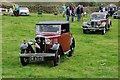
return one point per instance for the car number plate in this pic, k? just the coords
(37, 59)
(41, 58)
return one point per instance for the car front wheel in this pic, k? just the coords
(114, 17)
(57, 58)
(24, 60)
(85, 31)
(71, 52)
(103, 31)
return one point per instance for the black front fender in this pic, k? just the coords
(27, 47)
(23, 46)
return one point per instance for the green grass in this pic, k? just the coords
(95, 56)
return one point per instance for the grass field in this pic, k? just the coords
(95, 56)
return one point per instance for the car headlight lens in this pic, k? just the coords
(47, 41)
(99, 23)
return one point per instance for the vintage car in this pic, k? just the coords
(99, 21)
(116, 15)
(53, 39)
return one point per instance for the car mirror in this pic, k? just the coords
(64, 30)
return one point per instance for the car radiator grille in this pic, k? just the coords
(93, 24)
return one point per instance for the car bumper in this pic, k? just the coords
(38, 55)
(93, 29)
(23, 13)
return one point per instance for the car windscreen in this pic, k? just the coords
(55, 29)
(23, 8)
(98, 16)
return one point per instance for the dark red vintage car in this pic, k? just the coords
(53, 39)
(99, 21)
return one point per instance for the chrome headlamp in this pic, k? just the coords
(47, 41)
(99, 22)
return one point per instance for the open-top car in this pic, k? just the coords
(99, 21)
(53, 39)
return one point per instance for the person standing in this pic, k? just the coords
(17, 9)
(14, 10)
(63, 10)
(73, 13)
(68, 13)
(81, 12)
(101, 8)
(70, 6)
(78, 11)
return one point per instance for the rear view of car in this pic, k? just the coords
(24, 11)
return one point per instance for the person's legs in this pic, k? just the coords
(72, 18)
(68, 17)
(78, 17)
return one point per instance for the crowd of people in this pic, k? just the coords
(14, 10)
(109, 9)
(73, 11)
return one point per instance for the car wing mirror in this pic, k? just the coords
(64, 30)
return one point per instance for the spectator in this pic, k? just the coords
(73, 13)
(14, 10)
(63, 10)
(78, 11)
(101, 8)
(110, 11)
(70, 8)
(68, 13)
(17, 9)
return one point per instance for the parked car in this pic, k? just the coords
(99, 21)
(53, 39)
(24, 11)
(116, 15)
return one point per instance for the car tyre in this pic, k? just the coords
(24, 60)
(114, 17)
(57, 58)
(103, 31)
(71, 52)
(85, 31)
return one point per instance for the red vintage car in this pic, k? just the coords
(53, 39)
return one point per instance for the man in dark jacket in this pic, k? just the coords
(78, 11)
(73, 13)
(68, 13)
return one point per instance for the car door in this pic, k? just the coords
(65, 41)
(65, 37)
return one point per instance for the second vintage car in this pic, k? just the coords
(99, 21)
(116, 15)
(53, 39)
